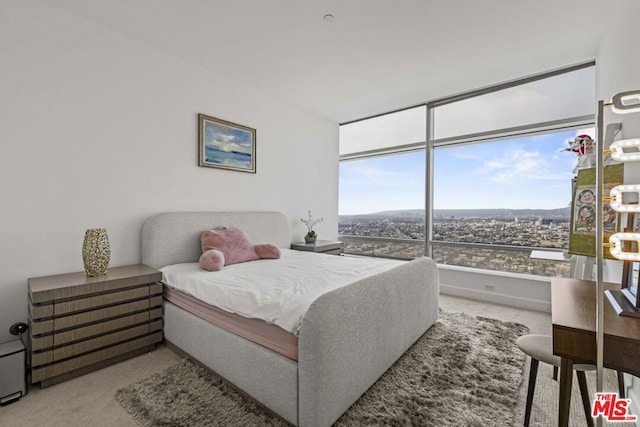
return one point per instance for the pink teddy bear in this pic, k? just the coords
(225, 246)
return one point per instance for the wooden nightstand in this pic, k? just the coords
(321, 246)
(78, 324)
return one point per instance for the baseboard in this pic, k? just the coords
(496, 297)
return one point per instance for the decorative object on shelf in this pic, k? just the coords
(311, 235)
(582, 145)
(96, 252)
(226, 145)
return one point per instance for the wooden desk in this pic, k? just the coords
(573, 315)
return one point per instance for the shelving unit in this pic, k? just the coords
(78, 324)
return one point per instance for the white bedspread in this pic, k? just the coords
(276, 291)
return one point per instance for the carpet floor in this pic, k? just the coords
(464, 371)
(89, 400)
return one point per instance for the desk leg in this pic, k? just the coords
(566, 377)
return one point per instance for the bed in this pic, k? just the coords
(345, 340)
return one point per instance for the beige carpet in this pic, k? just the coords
(465, 370)
(90, 400)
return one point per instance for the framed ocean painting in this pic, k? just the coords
(226, 145)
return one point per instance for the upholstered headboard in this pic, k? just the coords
(174, 237)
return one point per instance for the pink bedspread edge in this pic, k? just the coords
(256, 330)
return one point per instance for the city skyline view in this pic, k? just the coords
(506, 238)
(532, 172)
(500, 203)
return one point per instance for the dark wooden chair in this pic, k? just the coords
(540, 349)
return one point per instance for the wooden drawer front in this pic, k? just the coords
(76, 320)
(62, 308)
(81, 347)
(579, 346)
(39, 374)
(60, 338)
(155, 313)
(43, 311)
(155, 288)
(39, 343)
(135, 281)
(40, 311)
(46, 326)
(65, 286)
(40, 327)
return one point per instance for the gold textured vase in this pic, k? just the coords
(96, 252)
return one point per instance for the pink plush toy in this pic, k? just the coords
(225, 246)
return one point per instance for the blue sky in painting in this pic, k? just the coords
(226, 138)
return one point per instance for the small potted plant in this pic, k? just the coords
(311, 235)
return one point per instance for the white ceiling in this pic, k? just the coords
(375, 56)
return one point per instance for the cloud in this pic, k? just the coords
(227, 142)
(517, 166)
(225, 138)
(368, 172)
(375, 175)
(228, 146)
(468, 153)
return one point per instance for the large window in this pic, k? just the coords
(498, 177)
(395, 131)
(514, 174)
(556, 98)
(505, 205)
(383, 183)
(382, 205)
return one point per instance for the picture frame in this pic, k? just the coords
(226, 145)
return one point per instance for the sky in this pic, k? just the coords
(531, 172)
(524, 173)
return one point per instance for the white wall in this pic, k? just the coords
(618, 69)
(513, 289)
(98, 130)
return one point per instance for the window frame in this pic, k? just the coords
(431, 143)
